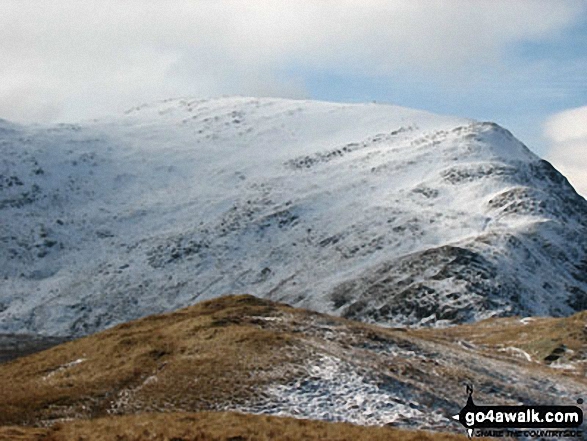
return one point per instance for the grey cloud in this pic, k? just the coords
(86, 58)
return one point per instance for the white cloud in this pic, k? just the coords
(567, 132)
(80, 58)
(570, 125)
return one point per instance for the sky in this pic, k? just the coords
(522, 63)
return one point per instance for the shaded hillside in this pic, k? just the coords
(18, 345)
(252, 355)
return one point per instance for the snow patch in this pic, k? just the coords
(517, 352)
(64, 367)
(335, 390)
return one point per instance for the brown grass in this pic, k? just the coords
(201, 355)
(214, 426)
(222, 353)
(539, 337)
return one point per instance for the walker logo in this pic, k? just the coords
(478, 419)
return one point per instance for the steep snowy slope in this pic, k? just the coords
(373, 212)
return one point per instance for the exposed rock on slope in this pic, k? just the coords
(246, 354)
(373, 212)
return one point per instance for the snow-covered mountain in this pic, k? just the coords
(368, 211)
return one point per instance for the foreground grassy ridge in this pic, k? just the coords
(200, 355)
(213, 426)
(224, 353)
(562, 340)
(212, 356)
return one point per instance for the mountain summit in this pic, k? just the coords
(372, 212)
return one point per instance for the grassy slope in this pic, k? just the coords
(211, 346)
(222, 352)
(539, 337)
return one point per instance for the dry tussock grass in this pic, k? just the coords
(214, 426)
(137, 379)
(539, 337)
(203, 357)
(199, 355)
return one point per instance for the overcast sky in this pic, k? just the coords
(521, 63)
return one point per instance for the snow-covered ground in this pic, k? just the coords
(375, 212)
(374, 379)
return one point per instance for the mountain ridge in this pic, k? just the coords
(322, 205)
